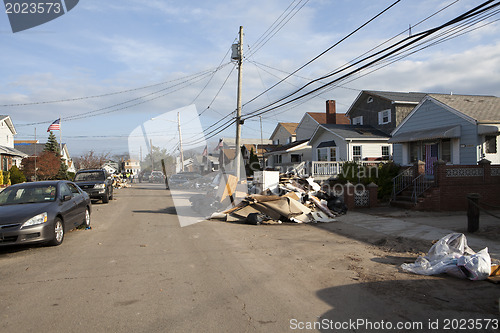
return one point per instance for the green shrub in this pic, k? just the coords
(382, 175)
(16, 176)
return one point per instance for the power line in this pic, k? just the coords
(258, 45)
(102, 111)
(326, 51)
(396, 47)
(110, 94)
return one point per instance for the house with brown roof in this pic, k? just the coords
(311, 120)
(458, 129)
(284, 133)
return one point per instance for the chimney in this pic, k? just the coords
(331, 116)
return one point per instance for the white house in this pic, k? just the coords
(8, 155)
(290, 157)
(333, 144)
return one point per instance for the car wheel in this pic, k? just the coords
(86, 220)
(58, 232)
(105, 198)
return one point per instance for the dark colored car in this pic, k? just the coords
(182, 179)
(96, 183)
(41, 212)
(157, 177)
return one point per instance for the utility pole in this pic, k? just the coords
(261, 145)
(238, 107)
(180, 141)
(152, 160)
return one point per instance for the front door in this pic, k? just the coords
(431, 156)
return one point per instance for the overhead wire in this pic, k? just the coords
(277, 28)
(109, 94)
(396, 47)
(325, 51)
(102, 111)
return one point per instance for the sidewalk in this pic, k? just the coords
(427, 226)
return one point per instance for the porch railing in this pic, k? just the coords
(333, 169)
(420, 185)
(300, 168)
(402, 182)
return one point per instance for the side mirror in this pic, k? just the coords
(67, 198)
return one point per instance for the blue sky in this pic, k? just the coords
(103, 47)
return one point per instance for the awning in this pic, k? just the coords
(327, 144)
(428, 134)
(11, 151)
(488, 129)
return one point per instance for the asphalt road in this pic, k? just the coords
(137, 270)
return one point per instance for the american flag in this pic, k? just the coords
(431, 156)
(55, 126)
(220, 145)
(205, 151)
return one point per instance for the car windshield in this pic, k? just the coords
(27, 194)
(89, 176)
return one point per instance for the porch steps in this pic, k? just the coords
(404, 199)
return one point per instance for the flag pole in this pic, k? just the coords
(35, 153)
(60, 136)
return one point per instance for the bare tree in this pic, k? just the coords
(91, 160)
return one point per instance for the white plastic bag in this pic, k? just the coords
(452, 255)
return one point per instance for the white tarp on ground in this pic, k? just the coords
(452, 255)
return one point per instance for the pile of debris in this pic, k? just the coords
(119, 182)
(294, 199)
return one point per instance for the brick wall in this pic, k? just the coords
(454, 182)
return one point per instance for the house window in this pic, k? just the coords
(413, 152)
(357, 120)
(333, 154)
(491, 144)
(384, 117)
(446, 150)
(289, 140)
(276, 142)
(356, 153)
(4, 164)
(277, 159)
(296, 158)
(322, 154)
(369, 99)
(385, 152)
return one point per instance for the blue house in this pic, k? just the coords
(458, 129)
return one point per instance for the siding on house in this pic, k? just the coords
(6, 136)
(369, 148)
(397, 151)
(282, 135)
(306, 128)
(369, 103)
(431, 115)
(328, 136)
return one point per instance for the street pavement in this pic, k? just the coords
(138, 270)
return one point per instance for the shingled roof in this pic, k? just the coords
(480, 108)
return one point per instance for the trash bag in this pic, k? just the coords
(452, 255)
(255, 218)
(337, 205)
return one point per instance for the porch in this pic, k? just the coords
(324, 170)
(448, 189)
